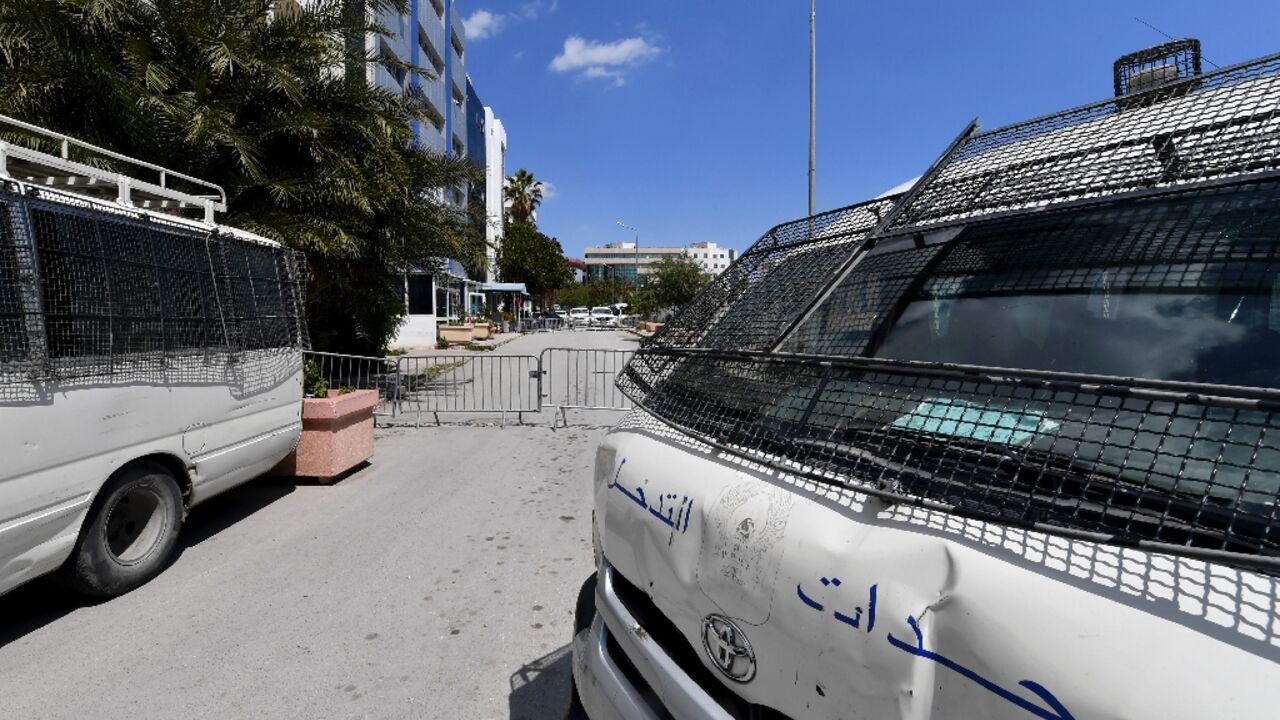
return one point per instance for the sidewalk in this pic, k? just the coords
(493, 342)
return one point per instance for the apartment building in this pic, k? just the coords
(623, 260)
(431, 36)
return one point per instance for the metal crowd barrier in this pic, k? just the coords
(471, 382)
(533, 325)
(357, 372)
(479, 382)
(577, 378)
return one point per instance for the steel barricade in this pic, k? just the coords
(583, 379)
(469, 383)
(535, 325)
(357, 372)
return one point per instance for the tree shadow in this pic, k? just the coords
(540, 689)
(45, 600)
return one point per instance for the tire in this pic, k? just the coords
(584, 613)
(130, 532)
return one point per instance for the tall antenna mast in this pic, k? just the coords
(813, 95)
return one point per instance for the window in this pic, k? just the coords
(1179, 289)
(433, 57)
(390, 62)
(13, 303)
(421, 292)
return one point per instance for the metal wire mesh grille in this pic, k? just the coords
(751, 302)
(888, 385)
(1212, 126)
(1156, 66)
(17, 306)
(1182, 471)
(98, 292)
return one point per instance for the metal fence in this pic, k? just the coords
(357, 373)
(476, 382)
(575, 378)
(468, 383)
(533, 325)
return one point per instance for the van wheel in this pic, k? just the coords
(130, 532)
(584, 613)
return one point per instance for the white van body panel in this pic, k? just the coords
(828, 583)
(67, 440)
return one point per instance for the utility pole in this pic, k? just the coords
(813, 96)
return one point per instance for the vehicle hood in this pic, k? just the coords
(858, 609)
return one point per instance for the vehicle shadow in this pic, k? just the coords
(222, 511)
(45, 600)
(540, 689)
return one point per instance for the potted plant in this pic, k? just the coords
(456, 331)
(337, 430)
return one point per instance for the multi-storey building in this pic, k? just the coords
(624, 260)
(431, 36)
(495, 175)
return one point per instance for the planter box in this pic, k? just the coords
(456, 333)
(337, 435)
(480, 332)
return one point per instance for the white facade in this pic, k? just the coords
(495, 174)
(623, 260)
(713, 258)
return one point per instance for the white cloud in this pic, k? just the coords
(483, 24)
(549, 191)
(603, 59)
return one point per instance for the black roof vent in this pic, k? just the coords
(1156, 66)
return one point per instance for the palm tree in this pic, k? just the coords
(524, 193)
(232, 92)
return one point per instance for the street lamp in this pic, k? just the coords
(625, 226)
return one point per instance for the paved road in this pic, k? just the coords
(438, 582)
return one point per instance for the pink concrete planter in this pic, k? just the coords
(480, 332)
(456, 333)
(337, 435)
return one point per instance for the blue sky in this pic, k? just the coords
(689, 119)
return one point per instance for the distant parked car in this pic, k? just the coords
(580, 316)
(603, 317)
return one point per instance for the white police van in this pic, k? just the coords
(1006, 445)
(149, 360)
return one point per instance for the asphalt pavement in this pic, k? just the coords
(437, 582)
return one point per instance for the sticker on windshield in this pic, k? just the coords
(959, 418)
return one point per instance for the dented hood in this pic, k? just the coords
(859, 609)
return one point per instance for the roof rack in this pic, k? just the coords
(85, 169)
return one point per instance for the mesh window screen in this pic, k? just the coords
(93, 291)
(18, 308)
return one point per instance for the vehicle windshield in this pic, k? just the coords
(601, 311)
(1184, 289)
(1181, 290)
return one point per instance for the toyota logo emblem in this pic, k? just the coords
(729, 649)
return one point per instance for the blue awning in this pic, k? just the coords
(505, 288)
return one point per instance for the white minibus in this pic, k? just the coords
(147, 362)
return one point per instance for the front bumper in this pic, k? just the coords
(623, 673)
